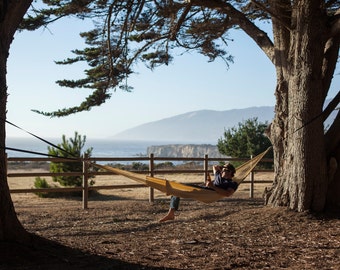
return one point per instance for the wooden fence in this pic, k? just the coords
(202, 166)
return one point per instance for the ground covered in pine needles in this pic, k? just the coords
(124, 233)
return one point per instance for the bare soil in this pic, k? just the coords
(120, 230)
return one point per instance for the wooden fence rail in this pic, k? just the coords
(86, 173)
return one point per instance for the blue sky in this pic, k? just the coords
(190, 83)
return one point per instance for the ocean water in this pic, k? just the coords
(101, 147)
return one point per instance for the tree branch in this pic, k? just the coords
(331, 54)
(332, 136)
(331, 106)
(335, 28)
(238, 18)
(180, 22)
(264, 8)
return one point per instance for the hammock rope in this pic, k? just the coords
(182, 190)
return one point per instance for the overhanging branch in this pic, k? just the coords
(335, 30)
(272, 14)
(238, 18)
(180, 22)
(332, 137)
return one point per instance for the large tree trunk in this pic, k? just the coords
(10, 227)
(333, 151)
(297, 133)
(301, 178)
(10, 17)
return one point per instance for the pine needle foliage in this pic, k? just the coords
(73, 149)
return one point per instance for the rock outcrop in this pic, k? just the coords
(184, 150)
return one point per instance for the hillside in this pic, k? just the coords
(204, 126)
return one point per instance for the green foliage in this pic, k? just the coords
(115, 165)
(139, 166)
(42, 183)
(165, 165)
(127, 32)
(245, 140)
(73, 149)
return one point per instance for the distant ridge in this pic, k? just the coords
(203, 126)
(200, 127)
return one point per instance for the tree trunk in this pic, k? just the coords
(297, 134)
(333, 148)
(10, 227)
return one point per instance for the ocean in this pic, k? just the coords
(101, 147)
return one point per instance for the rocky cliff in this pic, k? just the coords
(184, 150)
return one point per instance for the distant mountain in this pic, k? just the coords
(204, 126)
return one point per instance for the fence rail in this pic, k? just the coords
(152, 171)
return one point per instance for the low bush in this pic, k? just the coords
(42, 183)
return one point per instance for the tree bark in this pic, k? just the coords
(297, 134)
(333, 151)
(10, 227)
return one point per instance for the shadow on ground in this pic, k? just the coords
(47, 254)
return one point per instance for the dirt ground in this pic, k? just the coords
(120, 230)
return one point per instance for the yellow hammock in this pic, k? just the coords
(183, 190)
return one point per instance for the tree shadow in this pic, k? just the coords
(104, 197)
(44, 254)
(93, 196)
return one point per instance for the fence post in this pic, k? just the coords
(151, 169)
(251, 190)
(85, 181)
(206, 167)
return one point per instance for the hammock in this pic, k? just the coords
(183, 190)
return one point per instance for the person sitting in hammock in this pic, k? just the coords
(222, 184)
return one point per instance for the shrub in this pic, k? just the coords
(165, 165)
(42, 183)
(73, 149)
(139, 166)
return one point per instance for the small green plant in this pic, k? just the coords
(165, 165)
(73, 149)
(139, 166)
(42, 183)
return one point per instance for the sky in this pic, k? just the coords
(189, 84)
